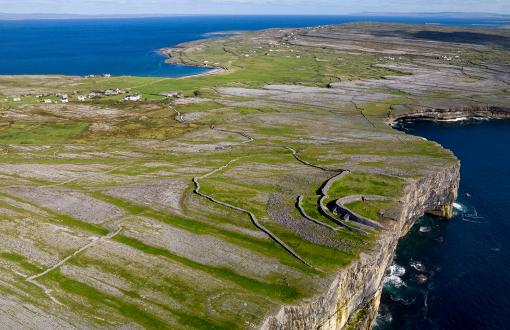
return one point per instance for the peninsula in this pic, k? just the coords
(270, 194)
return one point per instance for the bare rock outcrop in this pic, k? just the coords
(354, 293)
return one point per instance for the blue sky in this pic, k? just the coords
(249, 6)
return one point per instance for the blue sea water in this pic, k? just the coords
(129, 46)
(467, 259)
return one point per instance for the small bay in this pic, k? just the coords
(130, 46)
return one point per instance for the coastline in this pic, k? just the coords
(434, 194)
(168, 52)
(355, 137)
(353, 297)
(212, 71)
(454, 114)
(420, 291)
(170, 59)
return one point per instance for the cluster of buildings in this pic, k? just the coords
(53, 98)
(64, 98)
(98, 94)
(111, 92)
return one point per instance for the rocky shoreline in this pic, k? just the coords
(454, 114)
(353, 297)
(169, 53)
(243, 198)
(354, 293)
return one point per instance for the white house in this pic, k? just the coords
(81, 98)
(16, 99)
(48, 101)
(133, 97)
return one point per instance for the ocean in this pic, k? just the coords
(129, 46)
(465, 260)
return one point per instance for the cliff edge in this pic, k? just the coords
(352, 300)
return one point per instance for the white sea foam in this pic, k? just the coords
(403, 301)
(455, 119)
(384, 317)
(463, 119)
(394, 281)
(418, 266)
(458, 206)
(397, 270)
(472, 216)
(394, 277)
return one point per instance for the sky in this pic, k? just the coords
(330, 7)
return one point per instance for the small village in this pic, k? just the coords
(76, 96)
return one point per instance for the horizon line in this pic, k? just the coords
(113, 15)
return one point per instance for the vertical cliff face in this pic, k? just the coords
(352, 299)
(473, 111)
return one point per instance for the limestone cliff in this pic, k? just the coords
(473, 111)
(353, 296)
